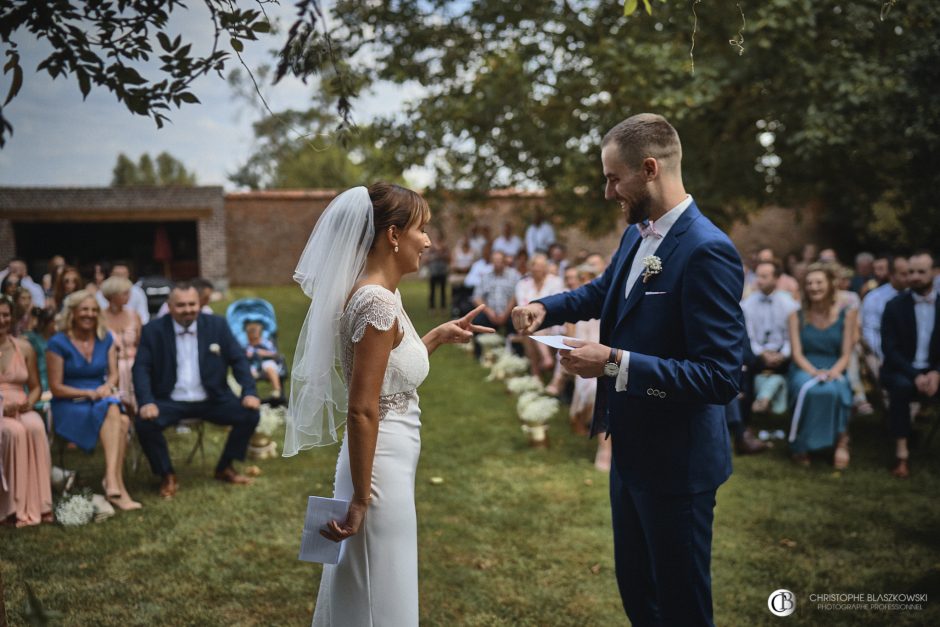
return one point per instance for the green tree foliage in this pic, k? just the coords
(285, 157)
(520, 93)
(167, 171)
(115, 44)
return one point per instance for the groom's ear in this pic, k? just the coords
(650, 168)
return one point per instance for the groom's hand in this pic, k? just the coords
(586, 359)
(528, 319)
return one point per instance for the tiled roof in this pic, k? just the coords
(108, 198)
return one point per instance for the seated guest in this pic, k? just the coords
(262, 356)
(821, 337)
(864, 271)
(68, 282)
(18, 268)
(508, 242)
(873, 307)
(766, 314)
(910, 340)
(38, 337)
(480, 267)
(520, 263)
(25, 464)
(538, 284)
(539, 235)
(785, 282)
(557, 258)
(205, 289)
(53, 270)
(496, 292)
(437, 261)
(83, 376)
(9, 286)
(180, 372)
(125, 325)
(137, 299)
(22, 311)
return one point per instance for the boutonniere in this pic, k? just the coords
(215, 349)
(652, 265)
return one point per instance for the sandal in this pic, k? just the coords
(840, 459)
(118, 500)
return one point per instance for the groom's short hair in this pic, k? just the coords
(646, 135)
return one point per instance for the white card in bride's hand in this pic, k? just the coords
(313, 546)
(555, 341)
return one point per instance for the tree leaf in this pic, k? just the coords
(262, 27)
(15, 84)
(237, 44)
(629, 6)
(84, 83)
(648, 7)
(165, 42)
(189, 97)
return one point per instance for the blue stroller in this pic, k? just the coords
(245, 311)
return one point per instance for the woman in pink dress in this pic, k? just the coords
(125, 325)
(25, 463)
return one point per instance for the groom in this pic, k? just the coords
(672, 337)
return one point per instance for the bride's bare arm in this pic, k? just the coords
(458, 331)
(370, 359)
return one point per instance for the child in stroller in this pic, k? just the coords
(263, 356)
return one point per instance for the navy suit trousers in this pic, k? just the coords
(227, 411)
(662, 554)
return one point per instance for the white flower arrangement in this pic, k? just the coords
(519, 385)
(535, 409)
(507, 365)
(652, 265)
(271, 419)
(490, 340)
(75, 510)
(215, 349)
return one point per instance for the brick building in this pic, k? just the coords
(255, 238)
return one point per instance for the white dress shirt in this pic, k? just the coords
(507, 245)
(188, 380)
(538, 237)
(765, 316)
(477, 270)
(873, 308)
(647, 247)
(925, 312)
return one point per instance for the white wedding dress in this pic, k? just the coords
(376, 579)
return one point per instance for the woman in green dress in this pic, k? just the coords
(821, 337)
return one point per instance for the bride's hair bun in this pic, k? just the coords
(394, 205)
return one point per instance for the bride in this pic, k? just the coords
(362, 245)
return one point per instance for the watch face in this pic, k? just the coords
(611, 369)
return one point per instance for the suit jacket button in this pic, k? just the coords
(662, 394)
(649, 391)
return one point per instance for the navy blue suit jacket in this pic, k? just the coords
(686, 346)
(899, 338)
(155, 364)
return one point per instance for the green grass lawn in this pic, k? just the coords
(513, 536)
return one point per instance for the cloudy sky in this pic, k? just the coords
(61, 140)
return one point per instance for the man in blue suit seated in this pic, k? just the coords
(181, 372)
(910, 341)
(668, 362)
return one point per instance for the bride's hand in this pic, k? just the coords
(337, 532)
(461, 331)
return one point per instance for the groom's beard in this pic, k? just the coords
(638, 208)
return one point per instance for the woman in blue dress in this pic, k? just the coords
(821, 337)
(82, 367)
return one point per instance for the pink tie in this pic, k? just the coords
(647, 229)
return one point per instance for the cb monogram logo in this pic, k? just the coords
(781, 602)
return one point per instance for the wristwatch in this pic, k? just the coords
(612, 368)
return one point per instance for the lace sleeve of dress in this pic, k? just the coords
(376, 307)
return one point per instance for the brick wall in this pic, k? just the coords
(7, 242)
(213, 245)
(267, 231)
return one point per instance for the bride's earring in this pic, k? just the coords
(396, 248)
